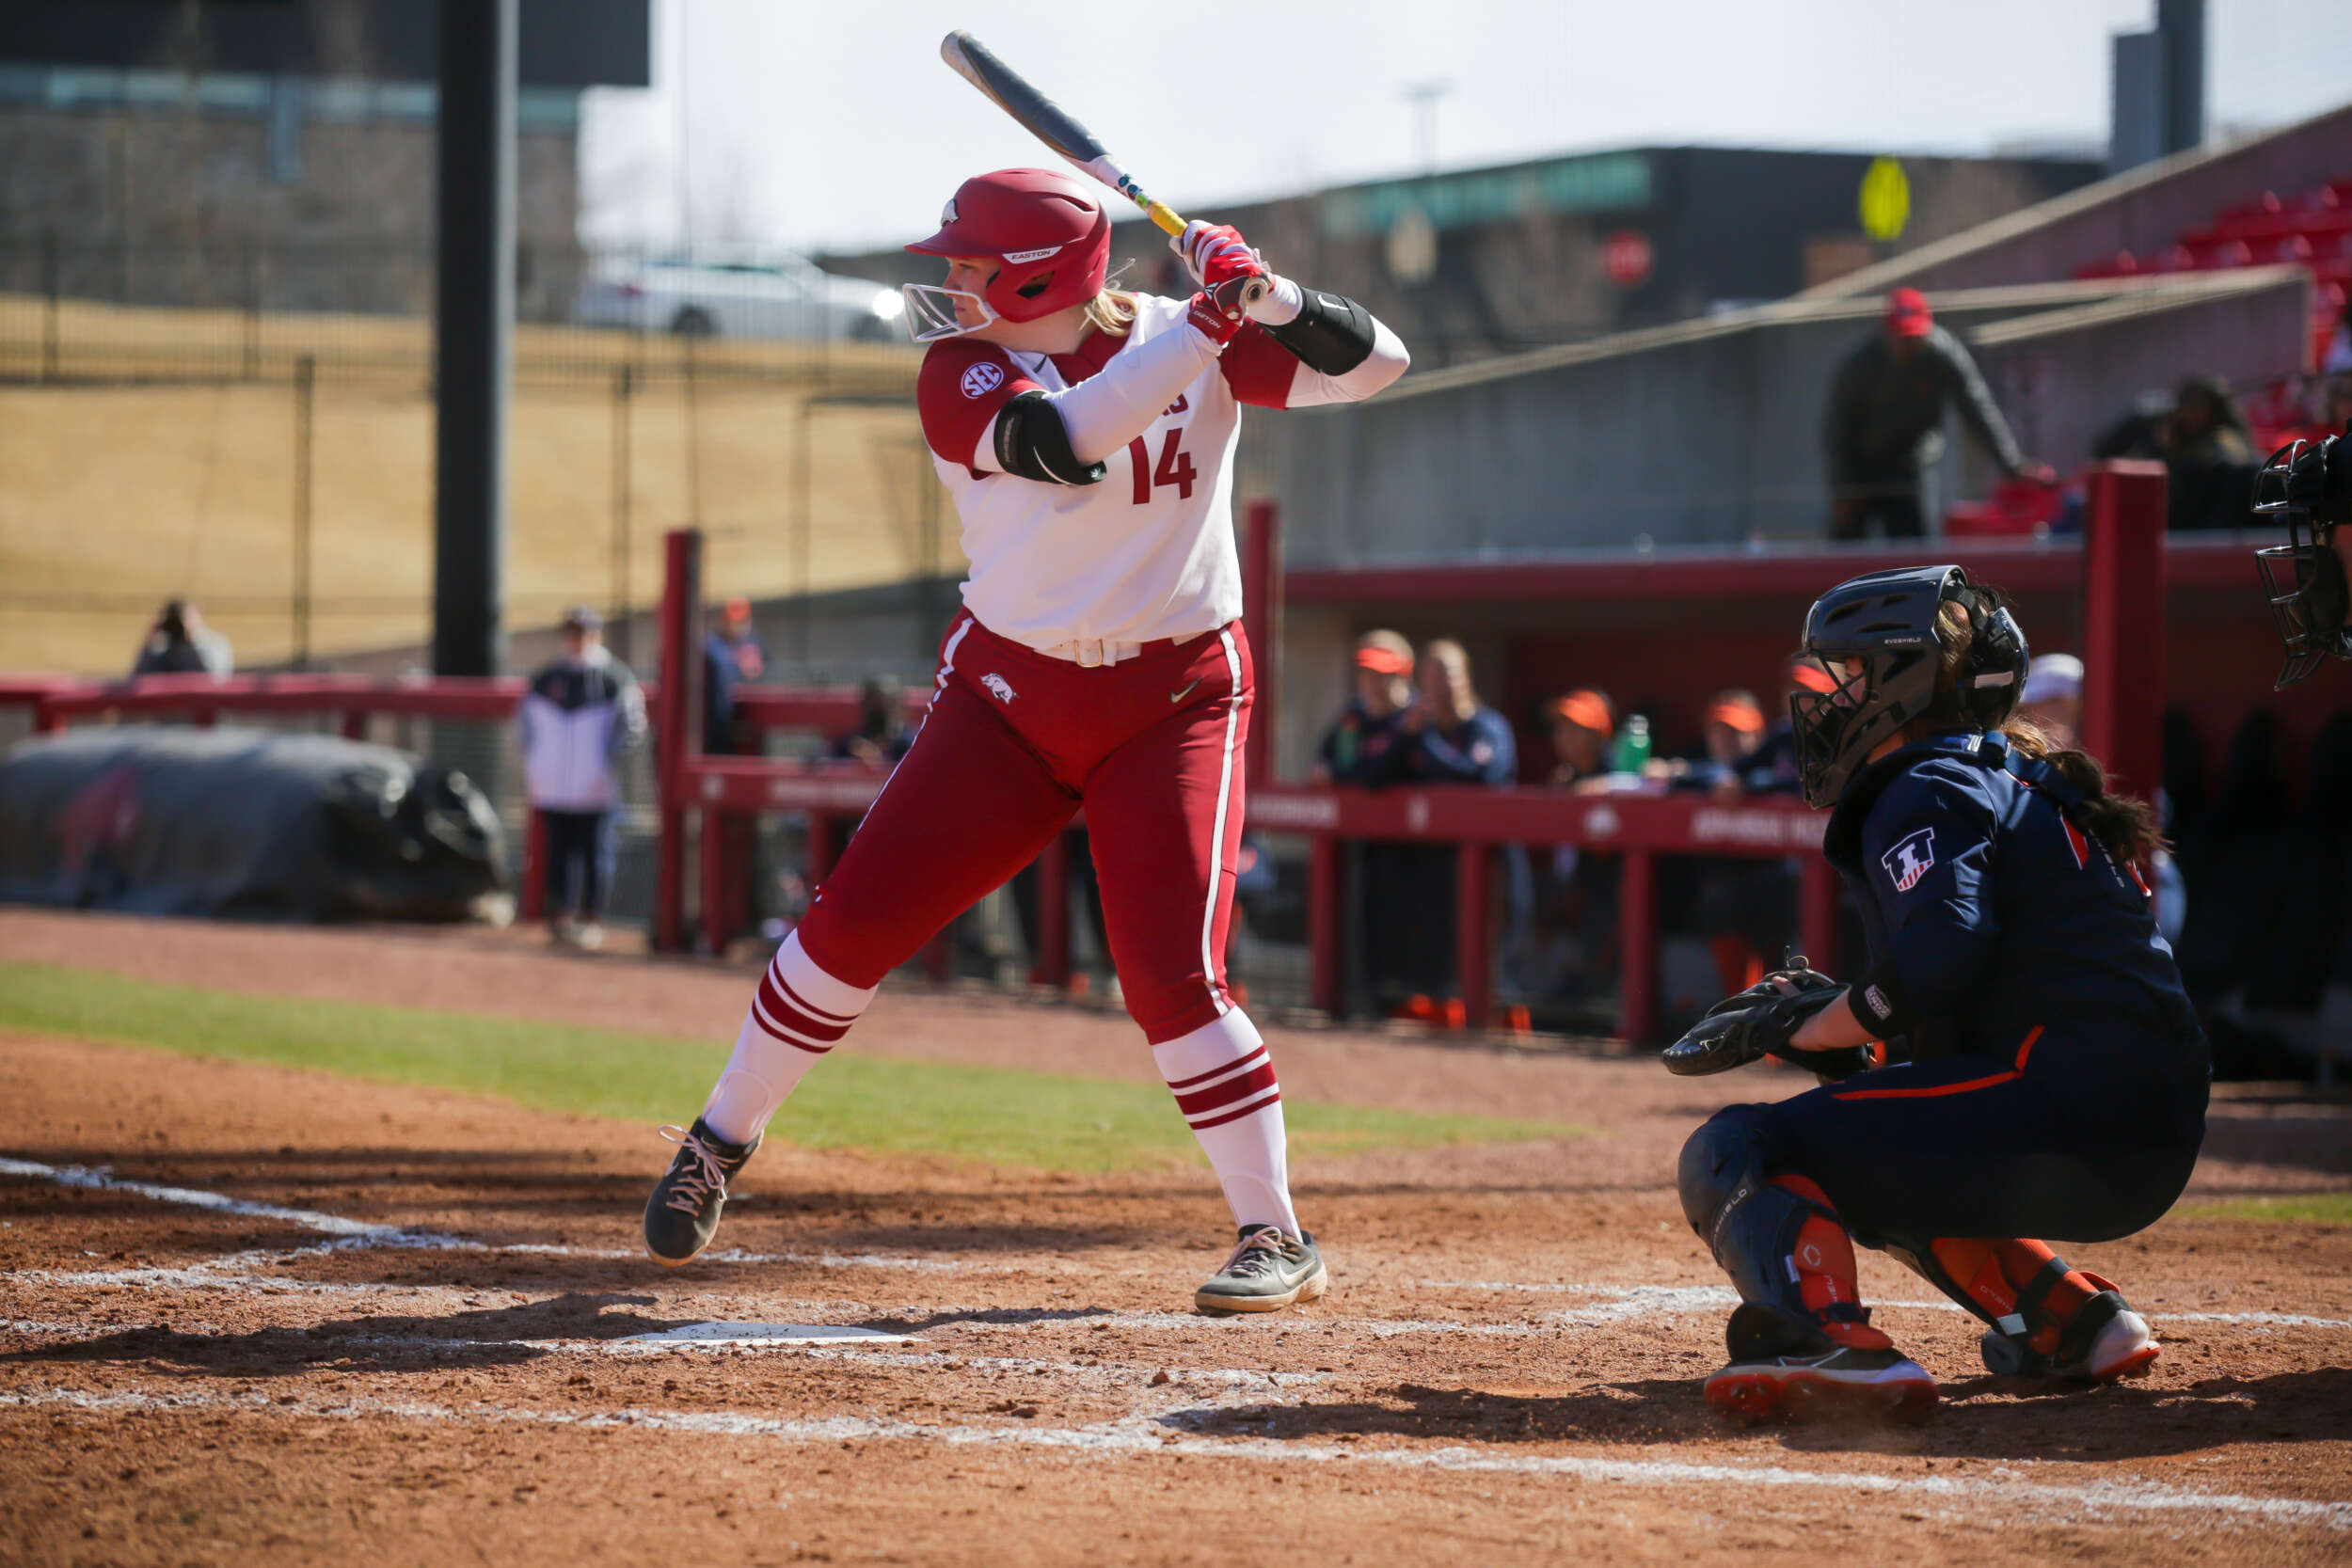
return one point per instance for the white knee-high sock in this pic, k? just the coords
(798, 1015)
(1224, 1083)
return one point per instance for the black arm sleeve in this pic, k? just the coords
(1032, 443)
(1331, 335)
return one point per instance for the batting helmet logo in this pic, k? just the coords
(983, 378)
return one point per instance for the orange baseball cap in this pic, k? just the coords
(1804, 672)
(1586, 707)
(1742, 717)
(1385, 661)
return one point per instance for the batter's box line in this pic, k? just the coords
(1962, 1496)
(1627, 1300)
(366, 1234)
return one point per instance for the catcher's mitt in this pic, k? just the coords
(1757, 1022)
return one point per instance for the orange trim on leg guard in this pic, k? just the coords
(1824, 1256)
(1993, 1272)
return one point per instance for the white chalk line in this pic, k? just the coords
(234, 1271)
(1634, 1300)
(1148, 1435)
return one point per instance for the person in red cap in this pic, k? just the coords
(1884, 428)
(1098, 662)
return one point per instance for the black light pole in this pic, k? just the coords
(473, 330)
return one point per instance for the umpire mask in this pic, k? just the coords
(2304, 580)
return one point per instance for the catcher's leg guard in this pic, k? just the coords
(2046, 1318)
(1777, 1237)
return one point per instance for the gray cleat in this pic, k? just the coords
(1267, 1272)
(682, 1215)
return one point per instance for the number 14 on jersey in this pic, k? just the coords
(1175, 467)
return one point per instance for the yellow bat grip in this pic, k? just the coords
(1163, 214)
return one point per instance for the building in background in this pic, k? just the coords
(275, 155)
(1476, 262)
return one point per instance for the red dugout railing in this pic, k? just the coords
(2123, 570)
(2121, 566)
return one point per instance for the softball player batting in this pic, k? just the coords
(1086, 437)
(2055, 1076)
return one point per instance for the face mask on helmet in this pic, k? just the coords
(931, 313)
(2304, 581)
(1876, 636)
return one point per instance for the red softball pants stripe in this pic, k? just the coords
(1013, 744)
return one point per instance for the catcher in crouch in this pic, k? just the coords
(2050, 1076)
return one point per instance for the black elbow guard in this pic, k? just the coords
(1332, 333)
(1032, 443)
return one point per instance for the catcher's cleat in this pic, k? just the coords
(1267, 1272)
(1838, 1381)
(2103, 1341)
(682, 1215)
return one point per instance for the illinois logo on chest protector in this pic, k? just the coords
(1910, 859)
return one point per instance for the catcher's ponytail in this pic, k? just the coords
(2125, 825)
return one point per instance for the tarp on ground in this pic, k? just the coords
(159, 819)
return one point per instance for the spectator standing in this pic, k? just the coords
(1582, 724)
(2209, 459)
(1366, 746)
(2053, 699)
(732, 653)
(582, 715)
(1733, 733)
(882, 735)
(180, 644)
(1575, 924)
(1884, 432)
(1771, 768)
(1454, 739)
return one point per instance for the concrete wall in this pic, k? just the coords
(1707, 432)
(2141, 211)
(172, 207)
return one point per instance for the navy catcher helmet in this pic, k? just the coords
(1876, 636)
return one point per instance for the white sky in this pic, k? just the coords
(835, 126)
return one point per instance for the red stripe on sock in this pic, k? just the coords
(845, 1020)
(787, 1009)
(1217, 1097)
(774, 1031)
(1206, 1122)
(1180, 1084)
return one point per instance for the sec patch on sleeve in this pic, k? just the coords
(1910, 859)
(983, 378)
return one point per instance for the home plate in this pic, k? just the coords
(764, 1333)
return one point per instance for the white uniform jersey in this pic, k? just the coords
(1146, 551)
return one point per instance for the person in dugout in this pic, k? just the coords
(2045, 1075)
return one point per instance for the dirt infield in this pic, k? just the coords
(256, 1315)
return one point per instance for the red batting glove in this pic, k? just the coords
(1219, 313)
(1216, 253)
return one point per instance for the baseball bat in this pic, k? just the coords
(1049, 123)
(1053, 125)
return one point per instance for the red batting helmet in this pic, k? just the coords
(1048, 228)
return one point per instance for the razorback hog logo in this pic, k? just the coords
(998, 687)
(983, 378)
(1910, 859)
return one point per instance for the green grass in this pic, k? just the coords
(992, 1116)
(2311, 1208)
